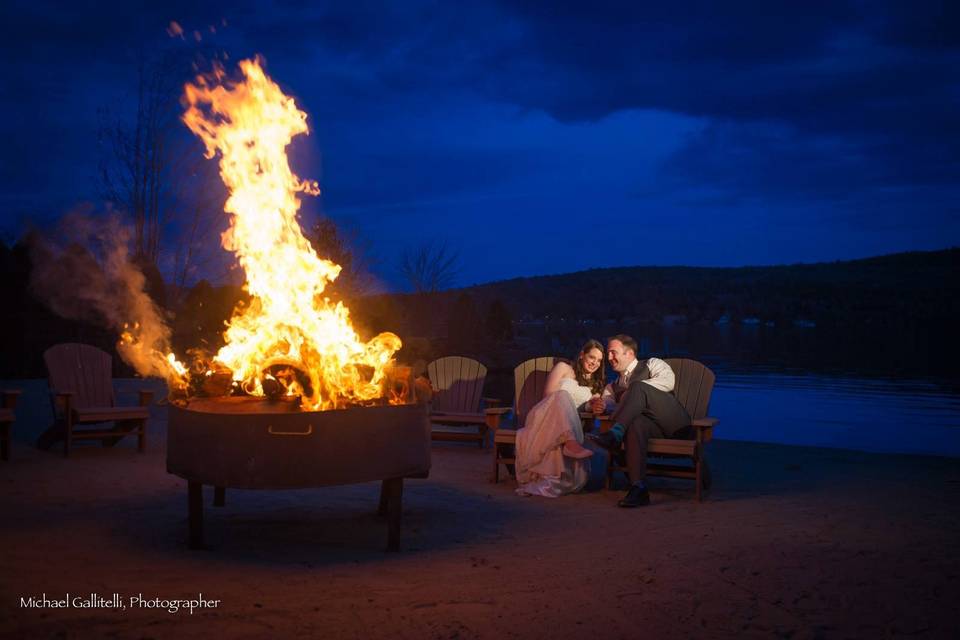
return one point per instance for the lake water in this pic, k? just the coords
(908, 416)
(866, 388)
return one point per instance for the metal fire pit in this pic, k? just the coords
(251, 443)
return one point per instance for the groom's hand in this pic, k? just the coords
(597, 405)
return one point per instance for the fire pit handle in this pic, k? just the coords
(274, 432)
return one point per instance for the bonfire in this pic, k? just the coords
(291, 340)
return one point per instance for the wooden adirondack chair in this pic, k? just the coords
(529, 379)
(458, 386)
(81, 390)
(693, 387)
(7, 417)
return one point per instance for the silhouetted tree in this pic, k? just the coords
(201, 319)
(463, 323)
(155, 173)
(430, 267)
(498, 326)
(331, 244)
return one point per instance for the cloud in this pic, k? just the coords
(839, 106)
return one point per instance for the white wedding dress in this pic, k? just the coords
(542, 469)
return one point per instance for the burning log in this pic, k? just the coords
(272, 389)
(423, 390)
(217, 383)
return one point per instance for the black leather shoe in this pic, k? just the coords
(636, 497)
(605, 439)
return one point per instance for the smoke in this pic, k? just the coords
(82, 270)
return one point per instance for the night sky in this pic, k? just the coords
(540, 138)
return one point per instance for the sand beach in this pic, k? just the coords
(792, 542)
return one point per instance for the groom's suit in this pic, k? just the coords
(645, 405)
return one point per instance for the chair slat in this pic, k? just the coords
(459, 383)
(82, 369)
(476, 389)
(694, 385)
(530, 379)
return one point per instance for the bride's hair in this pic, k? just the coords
(597, 381)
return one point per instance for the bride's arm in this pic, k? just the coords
(560, 371)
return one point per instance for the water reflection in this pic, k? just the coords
(905, 416)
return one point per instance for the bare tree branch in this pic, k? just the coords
(430, 267)
(155, 173)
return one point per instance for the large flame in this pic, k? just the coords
(289, 329)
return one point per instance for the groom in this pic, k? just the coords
(642, 406)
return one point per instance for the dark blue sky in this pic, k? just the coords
(547, 137)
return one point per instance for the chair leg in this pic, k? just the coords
(384, 499)
(195, 514)
(67, 438)
(67, 425)
(496, 463)
(699, 478)
(142, 437)
(5, 441)
(706, 476)
(394, 490)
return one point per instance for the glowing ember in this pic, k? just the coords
(289, 333)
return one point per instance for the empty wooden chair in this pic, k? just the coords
(529, 380)
(455, 406)
(7, 405)
(81, 390)
(693, 388)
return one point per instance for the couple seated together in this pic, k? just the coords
(551, 459)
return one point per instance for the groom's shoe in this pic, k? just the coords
(605, 439)
(636, 497)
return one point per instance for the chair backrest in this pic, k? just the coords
(694, 384)
(82, 369)
(458, 381)
(529, 380)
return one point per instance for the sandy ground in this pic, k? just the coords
(792, 542)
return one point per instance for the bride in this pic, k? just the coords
(551, 460)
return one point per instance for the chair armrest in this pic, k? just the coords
(10, 398)
(62, 400)
(704, 427)
(604, 422)
(495, 416)
(588, 421)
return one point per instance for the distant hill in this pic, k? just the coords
(891, 312)
(891, 289)
(889, 315)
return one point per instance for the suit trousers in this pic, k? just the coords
(647, 412)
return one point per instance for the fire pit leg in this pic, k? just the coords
(219, 496)
(391, 502)
(382, 509)
(195, 500)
